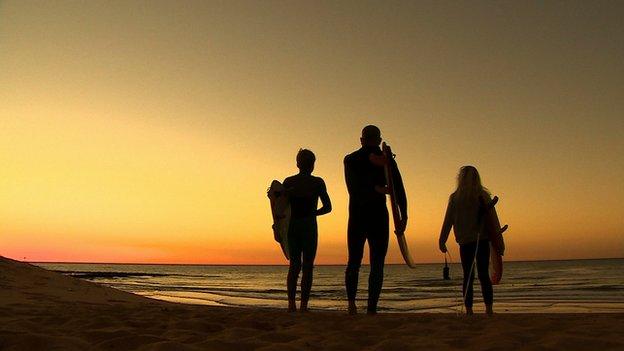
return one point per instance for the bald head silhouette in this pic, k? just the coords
(371, 136)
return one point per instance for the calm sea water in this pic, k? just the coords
(548, 286)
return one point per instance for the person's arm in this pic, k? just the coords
(350, 176)
(325, 201)
(446, 225)
(288, 187)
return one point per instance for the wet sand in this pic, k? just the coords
(44, 310)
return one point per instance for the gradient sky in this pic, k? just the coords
(148, 131)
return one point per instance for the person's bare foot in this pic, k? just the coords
(352, 308)
(292, 306)
(489, 310)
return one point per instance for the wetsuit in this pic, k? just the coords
(304, 191)
(368, 220)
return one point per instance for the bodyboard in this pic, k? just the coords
(280, 210)
(397, 211)
(494, 233)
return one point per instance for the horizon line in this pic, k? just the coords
(286, 264)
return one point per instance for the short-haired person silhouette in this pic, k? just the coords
(304, 191)
(368, 216)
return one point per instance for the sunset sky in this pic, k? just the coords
(149, 131)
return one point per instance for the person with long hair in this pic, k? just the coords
(463, 215)
(304, 191)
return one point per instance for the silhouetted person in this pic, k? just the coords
(368, 217)
(463, 214)
(304, 191)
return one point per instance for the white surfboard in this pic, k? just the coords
(280, 209)
(397, 212)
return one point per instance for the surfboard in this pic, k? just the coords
(280, 210)
(397, 212)
(494, 232)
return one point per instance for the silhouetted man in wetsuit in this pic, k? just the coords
(304, 191)
(368, 216)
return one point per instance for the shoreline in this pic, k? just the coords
(563, 287)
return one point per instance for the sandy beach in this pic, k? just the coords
(44, 310)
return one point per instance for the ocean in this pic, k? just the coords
(543, 286)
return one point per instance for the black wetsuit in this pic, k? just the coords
(304, 191)
(368, 220)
